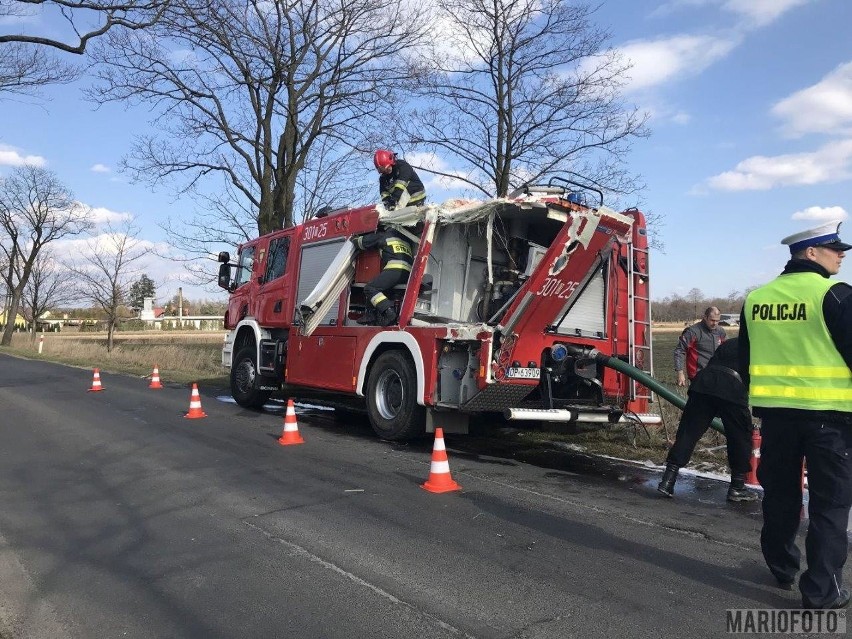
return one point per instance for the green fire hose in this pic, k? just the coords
(643, 378)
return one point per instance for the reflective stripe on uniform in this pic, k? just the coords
(797, 392)
(397, 264)
(838, 372)
(377, 299)
(399, 246)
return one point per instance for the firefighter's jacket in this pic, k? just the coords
(804, 346)
(721, 378)
(401, 179)
(396, 249)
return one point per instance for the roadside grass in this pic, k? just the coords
(185, 357)
(180, 358)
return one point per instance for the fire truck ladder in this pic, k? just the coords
(641, 355)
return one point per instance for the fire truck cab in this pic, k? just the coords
(504, 304)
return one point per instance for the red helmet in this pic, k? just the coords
(383, 159)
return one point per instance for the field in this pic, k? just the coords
(181, 356)
(195, 356)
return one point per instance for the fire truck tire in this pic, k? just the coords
(392, 398)
(244, 379)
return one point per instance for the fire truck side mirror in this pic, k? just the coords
(224, 257)
(225, 276)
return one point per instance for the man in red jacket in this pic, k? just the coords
(697, 345)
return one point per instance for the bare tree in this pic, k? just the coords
(246, 90)
(83, 19)
(8, 264)
(26, 61)
(330, 178)
(527, 89)
(696, 297)
(25, 69)
(51, 285)
(108, 270)
(35, 210)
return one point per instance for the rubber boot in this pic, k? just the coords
(369, 317)
(386, 317)
(738, 490)
(666, 486)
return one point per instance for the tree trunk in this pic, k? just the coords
(110, 331)
(12, 315)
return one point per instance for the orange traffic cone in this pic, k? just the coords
(756, 440)
(96, 382)
(195, 404)
(155, 379)
(440, 480)
(290, 434)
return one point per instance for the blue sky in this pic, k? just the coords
(751, 118)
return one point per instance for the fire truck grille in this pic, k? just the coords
(498, 397)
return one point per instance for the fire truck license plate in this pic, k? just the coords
(525, 373)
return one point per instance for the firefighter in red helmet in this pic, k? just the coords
(399, 184)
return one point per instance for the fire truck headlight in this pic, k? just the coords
(558, 352)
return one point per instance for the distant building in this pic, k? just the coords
(150, 312)
(155, 316)
(20, 322)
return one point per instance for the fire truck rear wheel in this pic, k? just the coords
(244, 379)
(392, 398)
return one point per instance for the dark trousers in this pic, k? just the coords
(699, 411)
(384, 281)
(826, 447)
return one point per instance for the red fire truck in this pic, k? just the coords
(507, 304)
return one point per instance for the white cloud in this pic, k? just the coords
(675, 5)
(102, 242)
(762, 12)
(185, 57)
(821, 213)
(756, 13)
(11, 156)
(825, 107)
(830, 163)
(100, 215)
(657, 61)
(436, 182)
(100, 168)
(681, 117)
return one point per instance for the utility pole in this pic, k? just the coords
(180, 306)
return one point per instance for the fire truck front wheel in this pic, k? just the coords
(392, 398)
(245, 378)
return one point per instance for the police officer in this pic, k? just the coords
(796, 358)
(397, 257)
(399, 184)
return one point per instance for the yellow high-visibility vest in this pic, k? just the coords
(794, 362)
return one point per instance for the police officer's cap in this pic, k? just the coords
(827, 235)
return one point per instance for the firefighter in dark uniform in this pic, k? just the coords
(399, 184)
(796, 358)
(717, 389)
(397, 257)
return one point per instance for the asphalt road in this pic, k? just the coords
(121, 518)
